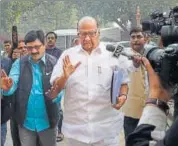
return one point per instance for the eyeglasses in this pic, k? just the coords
(136, 36)
(90, 34)
(37, 47)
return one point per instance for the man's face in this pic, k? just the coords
(22, 47)
(137, 41)
(51, 40)
(16, 53)
(8, 48)
(89, 35)
(36, 49)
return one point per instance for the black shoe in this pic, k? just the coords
(60, 137)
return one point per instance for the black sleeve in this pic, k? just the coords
(171, 138)
(142, 136)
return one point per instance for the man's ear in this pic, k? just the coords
(99, 31)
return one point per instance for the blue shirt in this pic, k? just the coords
(36, 115)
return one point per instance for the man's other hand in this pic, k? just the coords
(53, 92)
(121, 100)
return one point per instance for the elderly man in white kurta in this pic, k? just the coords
(85, 72)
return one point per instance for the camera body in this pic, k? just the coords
(164, 61)
(167, 27)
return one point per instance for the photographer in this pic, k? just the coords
(151, 127)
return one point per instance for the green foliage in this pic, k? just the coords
(13, 10)
(125, 10)
(59, 14)
(49, 16)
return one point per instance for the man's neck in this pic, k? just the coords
(141, 51)
(89, 51)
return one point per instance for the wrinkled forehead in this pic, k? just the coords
(87, 25)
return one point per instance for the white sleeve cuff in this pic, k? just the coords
(153, 115)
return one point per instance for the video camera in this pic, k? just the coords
(164, 61)
(167, 27)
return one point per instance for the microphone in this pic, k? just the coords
(119, 50)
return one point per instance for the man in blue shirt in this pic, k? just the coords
(29, 78)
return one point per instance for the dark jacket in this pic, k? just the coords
(56, 52)
(25, 85)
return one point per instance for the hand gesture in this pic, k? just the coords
(68, 68)
(6, 82)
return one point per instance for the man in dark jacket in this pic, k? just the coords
(51, 49)
(35, 113)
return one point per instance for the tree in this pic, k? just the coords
(49, 16)
(125, 10)
(11, 12)
(55, 14)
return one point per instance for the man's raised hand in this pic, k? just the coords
(68, 68)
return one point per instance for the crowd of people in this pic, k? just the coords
(37, 75)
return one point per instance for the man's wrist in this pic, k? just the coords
(64, 78)
(58, 80)
(125, 95)
(159, 103)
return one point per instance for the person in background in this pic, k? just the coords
(20, 50)
(138, 88)
(7, 48)
(51, 49)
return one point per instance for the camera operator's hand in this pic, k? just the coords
(156, 89)
(137, 60)
(172, 51)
